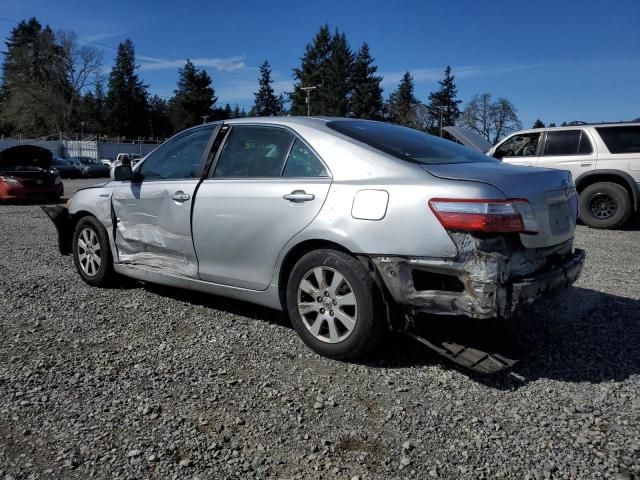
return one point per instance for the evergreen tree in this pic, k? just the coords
(91, 110)
(228, 111)
(443, 104)
(194, 98)
(337, 89)
(236, 111)
(266, 103)
(552, 124)
(538, 124)
(35, 88)
(127, 104)
(160, 118)
(314, 71)
(402, 103)
(366, 98)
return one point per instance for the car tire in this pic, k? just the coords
(93, 261)
(605, 205)
(342, 317)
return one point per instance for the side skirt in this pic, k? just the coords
(267, 298)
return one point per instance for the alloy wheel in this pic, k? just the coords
(327, 304)
(603, 206)
(89, 253)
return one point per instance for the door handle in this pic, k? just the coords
(299, 196)
(180, 196)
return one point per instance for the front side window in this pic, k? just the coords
(521, 145)
(254, 152)
(623, 139)
(406, 143)
(180, 157)
(303, 163)
(567, 142)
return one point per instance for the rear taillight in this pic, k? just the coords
(500, 216)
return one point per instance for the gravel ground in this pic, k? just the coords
(141, 381)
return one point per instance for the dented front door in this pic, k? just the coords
(153, 212)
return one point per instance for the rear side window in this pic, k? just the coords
(567, 142)
(623, 139)
(303, 163)
(254, 152)
(406, 143)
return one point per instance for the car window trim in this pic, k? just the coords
(214, 163)
(205, 153)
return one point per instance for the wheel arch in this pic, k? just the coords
(294, 254)
(614, 176)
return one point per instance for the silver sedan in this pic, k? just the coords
(352, 227)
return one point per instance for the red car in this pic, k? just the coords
(26, 174)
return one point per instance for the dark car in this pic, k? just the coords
(91, 167)
(26, 173)
(67, 168)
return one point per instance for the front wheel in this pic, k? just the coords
(334, 305)
(605, 205)
(91, 252)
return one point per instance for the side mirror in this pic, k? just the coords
(122, 173)
(498, 154)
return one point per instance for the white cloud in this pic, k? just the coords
(421, 75)
(229, 64)
(97, 37)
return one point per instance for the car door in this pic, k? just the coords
(519, 149)
(266, 185)
(568, 150)
(153, 212)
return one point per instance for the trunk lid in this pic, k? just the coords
(550, 192)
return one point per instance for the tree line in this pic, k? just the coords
(51, 82)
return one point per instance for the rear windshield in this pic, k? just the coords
(623, 139)
(406, 143)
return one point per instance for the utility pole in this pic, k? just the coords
(204, 118)
(307, 90)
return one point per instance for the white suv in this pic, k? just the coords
(604, 160)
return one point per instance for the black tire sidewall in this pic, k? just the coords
(369, 324)
(617, 193)
(106, 266)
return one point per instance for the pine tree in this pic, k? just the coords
(35, 88)
(127, 105)
(402, 103)
(266, 103)
(538, 124)
(366, 97)
(314, 71)
(160, 118)
(443, 106)
(236, 111)
(337, 90)
(194, 98)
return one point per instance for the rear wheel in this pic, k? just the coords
(335, 305)
(91, 252)
(605, 205)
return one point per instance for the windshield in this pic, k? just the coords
(406, 143)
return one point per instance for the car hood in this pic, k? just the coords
(469, 138)
(25, 157)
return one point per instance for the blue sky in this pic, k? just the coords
(556, 60)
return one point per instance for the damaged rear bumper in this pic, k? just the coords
(489, 278)
(60, 217)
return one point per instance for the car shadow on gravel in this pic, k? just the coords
(580, 335)
(228, 305)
